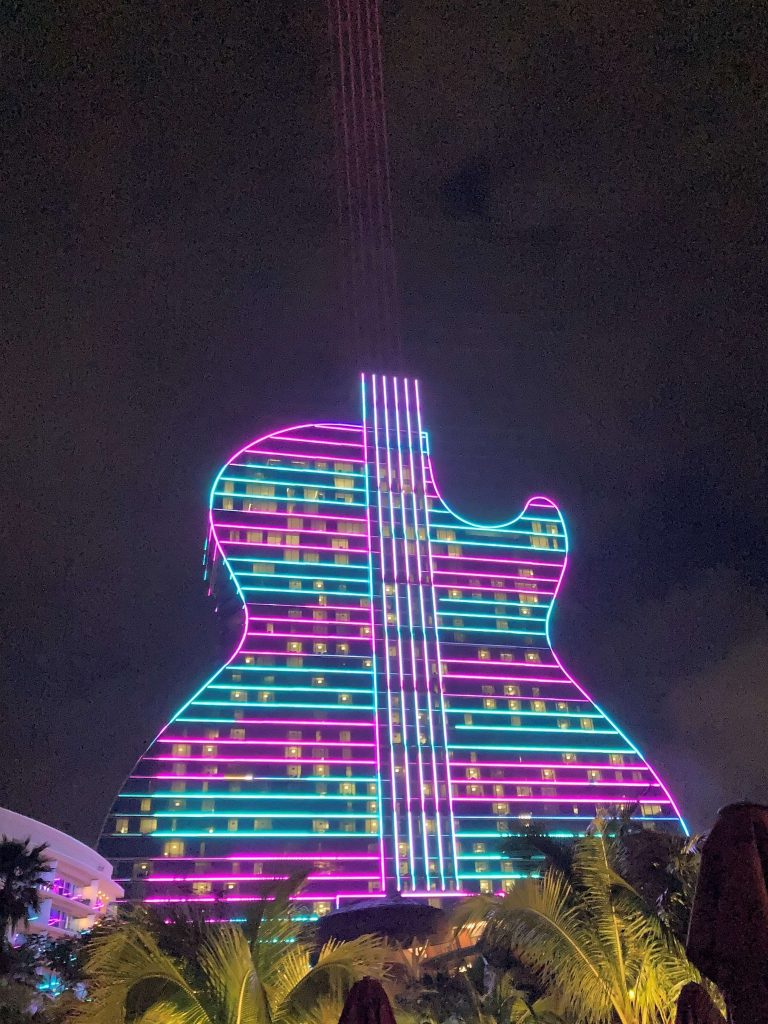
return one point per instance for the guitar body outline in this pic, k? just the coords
(394, 705)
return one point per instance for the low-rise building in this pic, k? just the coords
(79, 889)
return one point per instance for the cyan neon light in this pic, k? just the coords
(469, 619)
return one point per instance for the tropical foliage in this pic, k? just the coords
(590, 937)
(260, 972)
(22, 871)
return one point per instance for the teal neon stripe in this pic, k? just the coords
(530, 548)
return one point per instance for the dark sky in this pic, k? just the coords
(579, 201)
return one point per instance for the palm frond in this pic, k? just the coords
(339, 965)
(128, 964)
(232, 980)
(540, 924)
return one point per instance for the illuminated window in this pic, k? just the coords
(345, 736)
(489, 703)
(473, 773)
(265, 697)
(321, 770)
(121, 826)
(538, 706)
(649, 810)
(500, 808)
(532, 656)
(237, 734)
(569, 757)
(342, 648)
(181, 749)
(293, 662)
(456, 595)
(563, 723)
(616, 758)
(201, 888)
(486, 886)
(455, 550)
(174, 848)
(238, 695)
(587, 723)
(347, 788)
(294, 584)
(484, 654)
(262, 824)
(467, 719)
(293, 752)
(547, 773)
(594, 775)
(232, 825)
(318, 680)
(210, 750)
(524, 791)
(293, 771)
(146, 806)
(320, 825)
(345, 698)
(294, 646)
(371, 826)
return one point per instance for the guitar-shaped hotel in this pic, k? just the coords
(394, 707)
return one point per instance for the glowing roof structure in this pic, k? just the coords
(393, 708)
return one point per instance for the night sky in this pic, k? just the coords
(579, 203)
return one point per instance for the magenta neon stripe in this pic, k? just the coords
(309, 722)
(465, 557)
(264, 760)
(424, 460)
(574, 797)
(596, 784)
(410, 612)
(425, 645)
(259, 743)
(398, 638)
(387, 669)
(324, 876)
(382, 868)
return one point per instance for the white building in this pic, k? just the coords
(79, 889)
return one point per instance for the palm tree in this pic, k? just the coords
(22, 871)
(590, 937)
(260, 973)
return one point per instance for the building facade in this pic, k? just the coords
(393, 708)
(79, 888)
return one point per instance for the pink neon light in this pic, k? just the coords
(263, 635)
(425, 463)
(322, 876)
(382, 868)
(288, 620)
(597, 784)
(262, 760)
(248, 857)
(403, 506)
(518, 696)
(466, 557)
(310, 722)
(385, 625)
(306, 440)
(574, 797)
(560, 765)
(425, 644)
(278, 546)
(398, 638)
(258, 743)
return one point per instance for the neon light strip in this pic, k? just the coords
(574, 797)
(424, 459)
(393, 773)
(425, 646)
(412, 641)
(398, 637)
(374, 676)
